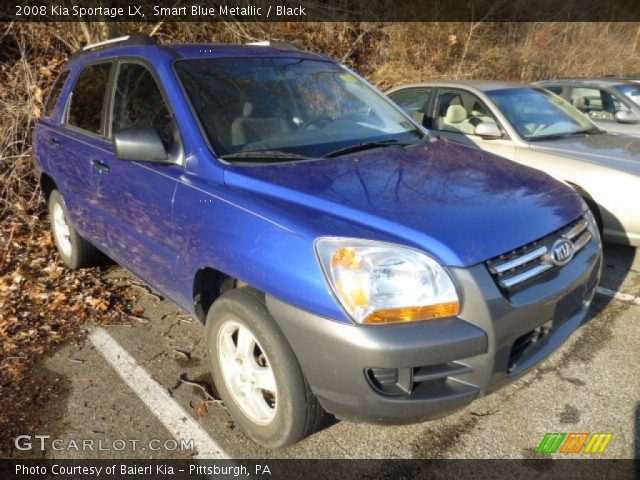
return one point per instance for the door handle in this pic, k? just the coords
(54, 141)
(103, 167)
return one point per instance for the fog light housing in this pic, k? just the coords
(391, 381)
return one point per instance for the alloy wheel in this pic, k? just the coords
(247, 372)
(61, 230)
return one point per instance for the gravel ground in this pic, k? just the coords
(591, 384)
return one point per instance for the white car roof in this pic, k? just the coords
(599, 82)
(483, 85)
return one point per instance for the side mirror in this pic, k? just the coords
(140, 144)
(488, 131)
(627, 116)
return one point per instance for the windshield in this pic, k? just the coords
(632, 92)
(288, 107)
(537, 114)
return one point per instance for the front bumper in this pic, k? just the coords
(450, 362)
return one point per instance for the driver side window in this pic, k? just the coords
(595, 103)
(460, 112)
(139, 102)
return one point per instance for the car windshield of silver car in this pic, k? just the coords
(539, 115)
(632, 92)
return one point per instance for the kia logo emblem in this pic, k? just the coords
(561, 252)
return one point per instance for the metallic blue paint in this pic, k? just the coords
(458, 204)
(258, 223)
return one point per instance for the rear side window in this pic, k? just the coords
(553, 89)
(54, 94)
(87, 98)
(413, 100)
(138, 102)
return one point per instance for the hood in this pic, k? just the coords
(620, 152)
(459, 204)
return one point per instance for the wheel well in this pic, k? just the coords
(580, 191)
(591, 203)
(47, 185)
(208, 285)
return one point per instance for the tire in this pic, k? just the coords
(74, 250)
(290, 414)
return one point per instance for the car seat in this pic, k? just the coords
(456, 120)
(479, 115)
(581, 103)
(249, 129)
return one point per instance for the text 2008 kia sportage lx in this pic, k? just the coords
(342, 259)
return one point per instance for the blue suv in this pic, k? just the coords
(342, 258)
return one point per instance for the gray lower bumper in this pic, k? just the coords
(451, 361)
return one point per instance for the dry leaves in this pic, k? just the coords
(202, 409)
(42, 305)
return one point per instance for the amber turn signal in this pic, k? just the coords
(413, 314)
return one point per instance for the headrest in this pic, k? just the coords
(477, 110)
(247, 109)
(581, 102)
(455, 114)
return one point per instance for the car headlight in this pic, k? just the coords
(380, 283)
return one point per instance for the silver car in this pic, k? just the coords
(613, 104)
(534, 127)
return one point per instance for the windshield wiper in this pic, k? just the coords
(590, 131)
(365, 146)
(264, 155)
(553, 136)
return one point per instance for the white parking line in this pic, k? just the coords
(181, 425)
(618, 295)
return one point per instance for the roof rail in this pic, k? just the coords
(274, 44)
(106, 42)
(119, 41)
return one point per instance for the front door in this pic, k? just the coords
(456, 115)
(601, 107)
(137, 197)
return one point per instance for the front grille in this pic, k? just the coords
(514, 269)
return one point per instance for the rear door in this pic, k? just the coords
(48, 128)
(136, 198)
(81, 144)
(415, 101)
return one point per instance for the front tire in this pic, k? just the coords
(74, 250)
(256, 372)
